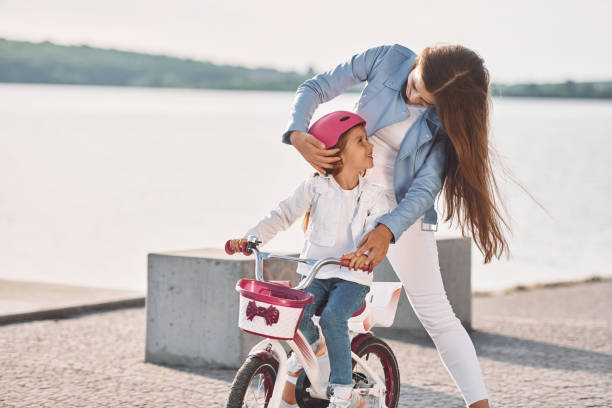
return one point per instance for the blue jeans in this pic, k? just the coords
(343, 299)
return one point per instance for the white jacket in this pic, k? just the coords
(320, 195)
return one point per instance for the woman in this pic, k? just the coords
(427, 116)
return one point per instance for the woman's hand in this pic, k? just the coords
(356, 261)
(236, 244)
(376, 242)
(314, 151)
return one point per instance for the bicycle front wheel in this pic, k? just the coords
(253, 384)
(380, 358)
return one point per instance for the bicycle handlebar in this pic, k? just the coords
(250, 247)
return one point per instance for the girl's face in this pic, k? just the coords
(416, 92)
(357, 152)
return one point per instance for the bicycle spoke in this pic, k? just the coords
(376, 365)
(256, 392)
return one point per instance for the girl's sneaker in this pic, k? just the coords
(346, 398)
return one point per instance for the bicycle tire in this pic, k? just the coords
(251, 367)
(382, 350)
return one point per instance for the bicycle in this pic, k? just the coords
(273, 310)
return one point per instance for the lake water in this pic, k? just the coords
(92, 179)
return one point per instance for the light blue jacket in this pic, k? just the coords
(420, 162)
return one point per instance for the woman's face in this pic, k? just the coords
(416, 93)
(357, 152)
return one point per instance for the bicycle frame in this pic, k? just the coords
(273, 348)
(318, 388)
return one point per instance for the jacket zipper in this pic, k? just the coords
(416, 155)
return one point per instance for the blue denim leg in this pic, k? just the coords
(345, 298)
(320, 290)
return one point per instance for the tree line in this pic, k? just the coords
(26, 62)
(45, 62)
(567, 89)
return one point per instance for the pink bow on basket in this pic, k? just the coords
(270, 313)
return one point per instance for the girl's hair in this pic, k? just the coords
(460, 82)
(340, 144)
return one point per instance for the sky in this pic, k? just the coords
(543, 41)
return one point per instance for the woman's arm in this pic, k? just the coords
(418, 199)
(421, 194)
(283, 216)
(320, 89)
(326, 86)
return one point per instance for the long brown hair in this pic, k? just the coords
(458, 79)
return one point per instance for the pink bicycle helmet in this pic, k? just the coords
(330, 127)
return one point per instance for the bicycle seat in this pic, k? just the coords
(379, 308)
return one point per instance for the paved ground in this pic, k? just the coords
(541, 348)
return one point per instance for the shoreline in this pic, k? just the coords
(536, 286)
(352, 91)
(475, 293)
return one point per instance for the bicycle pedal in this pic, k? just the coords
(361, 381)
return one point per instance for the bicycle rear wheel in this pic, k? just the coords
(253, 384)
(380, 358)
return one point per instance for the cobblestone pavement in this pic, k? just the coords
(541, 348)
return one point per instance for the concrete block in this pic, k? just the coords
(192, 306)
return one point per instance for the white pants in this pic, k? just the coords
(415, 261)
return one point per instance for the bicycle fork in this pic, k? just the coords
(271, 348)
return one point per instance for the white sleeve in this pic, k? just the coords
(381, 206)
(285, 214)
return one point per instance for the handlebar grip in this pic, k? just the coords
(366, 268)
(243, 249)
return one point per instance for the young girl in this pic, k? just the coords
(340, 207)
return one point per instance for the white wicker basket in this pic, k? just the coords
(270, 310)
